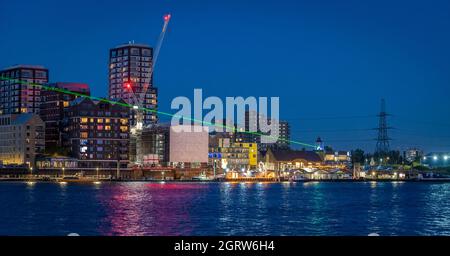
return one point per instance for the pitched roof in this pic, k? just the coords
(290, 155)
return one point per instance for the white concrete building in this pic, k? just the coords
(188, 146)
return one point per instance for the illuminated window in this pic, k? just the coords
(84, 135)
(65, 104)
(100, 120)
(100, 127)
(107, 120)
(84, 120)
(107, 128)
(124, 128)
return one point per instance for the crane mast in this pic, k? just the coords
(139, 97)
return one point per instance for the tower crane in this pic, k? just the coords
(139, 97)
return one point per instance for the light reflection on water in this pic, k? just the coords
(312, 208)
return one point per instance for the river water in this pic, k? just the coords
(142, 208)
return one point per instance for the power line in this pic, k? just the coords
(332, 130)
(423, 122)
(327, 118)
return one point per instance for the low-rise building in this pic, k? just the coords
(21, 138)
(283, 160)
(57, 162)
(337, 158)
(149, 147)
(227, 154)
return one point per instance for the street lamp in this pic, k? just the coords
(63, 172)
(97, 173)
(31, 171)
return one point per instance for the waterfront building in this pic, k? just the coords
(16, 96)
(54, 104)
(188, 146)
(436, 159)
(337, 158)
(318, 174)
(97, 133)
(130, 77)
(286, 159)
(227, 154)
(154, 146)
(56, 162)
(21, 139)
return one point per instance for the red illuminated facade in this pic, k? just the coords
(16, 96)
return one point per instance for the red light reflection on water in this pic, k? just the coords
(150, 208)
(175, 186)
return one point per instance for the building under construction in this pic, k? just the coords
(149, 147)
(131, 68)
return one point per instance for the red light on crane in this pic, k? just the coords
(128, 85)
(167, 17)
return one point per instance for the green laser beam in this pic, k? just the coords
(50, 88)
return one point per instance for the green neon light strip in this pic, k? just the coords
(50, 88)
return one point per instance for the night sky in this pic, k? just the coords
(330, 62)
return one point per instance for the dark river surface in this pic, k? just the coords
(144, 208)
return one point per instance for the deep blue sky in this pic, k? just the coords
(330, 62)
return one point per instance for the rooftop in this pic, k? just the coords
(290, 155)
(20, 66)
(131, 44)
